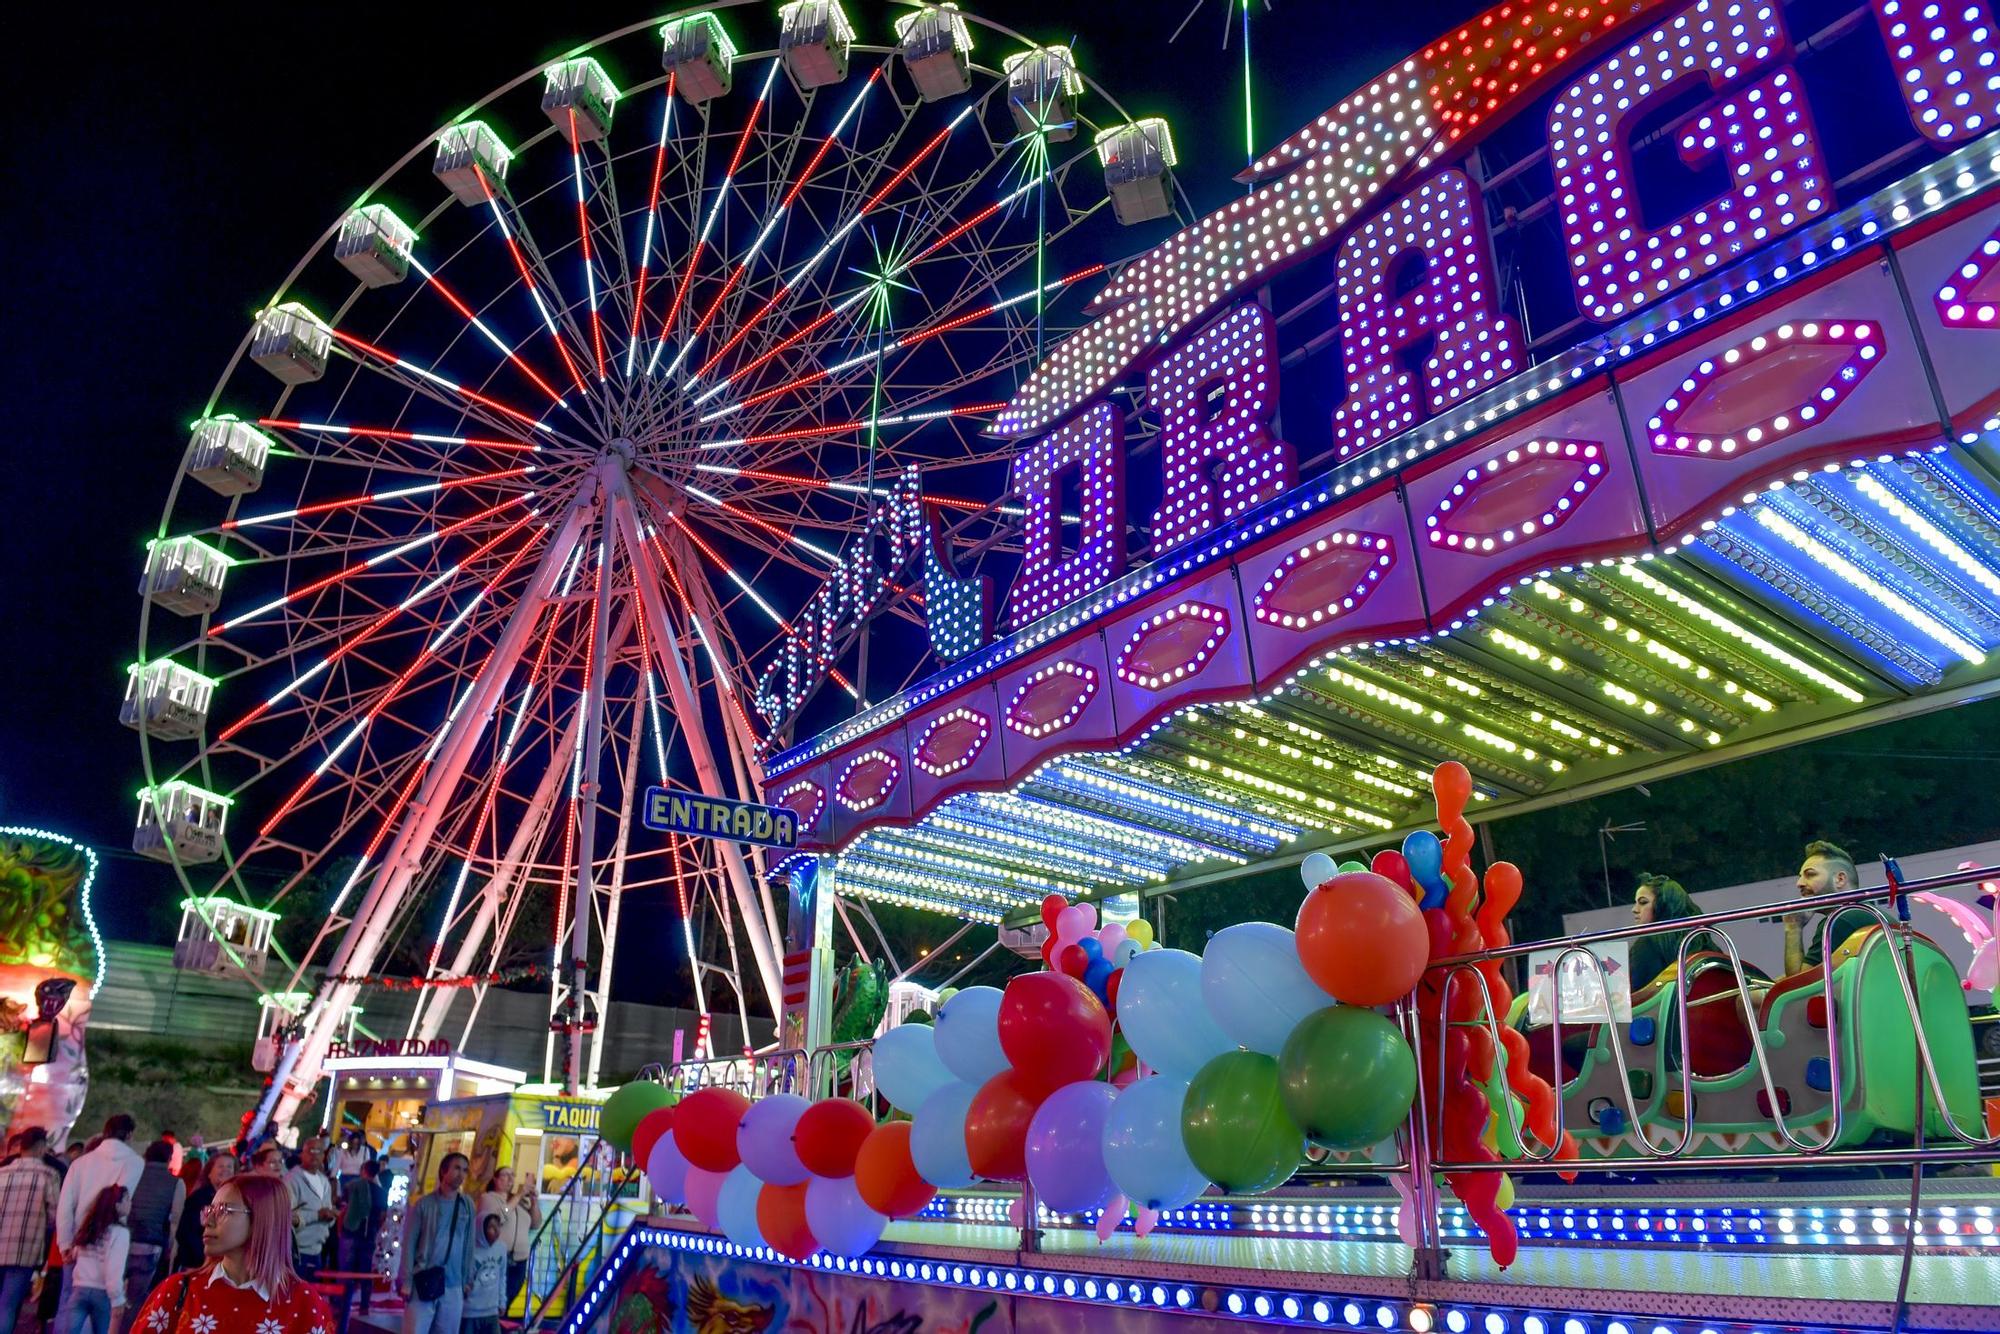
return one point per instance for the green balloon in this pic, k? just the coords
(623, 1110)
(1347, 1077)
(1235, 1127)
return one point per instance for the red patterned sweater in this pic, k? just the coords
(214, 1305)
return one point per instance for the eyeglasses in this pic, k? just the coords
(215, 1213)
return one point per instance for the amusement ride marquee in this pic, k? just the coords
(1763, 335)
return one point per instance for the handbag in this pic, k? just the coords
(427, 1284)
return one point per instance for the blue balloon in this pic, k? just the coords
(667, 1170)
(736, 1207)
(1142, 1145)
(1123, 954)
(1065, 1147)
(1161, 1013)
(968, 1035)
(1426, 858)
(1092, 947)
(1096, 976)
(840, 1219)
(1255, 987)
(907, 1068)
(937, 1137)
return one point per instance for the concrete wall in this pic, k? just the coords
(1762, 942)
(145, 993)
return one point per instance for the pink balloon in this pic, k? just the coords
(1111, 937)
(704, 1192)
(1075, 922)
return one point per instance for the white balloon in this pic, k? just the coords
(968, 1035)
(1161, 1013)
(1317, 869)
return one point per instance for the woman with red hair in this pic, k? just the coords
(248, 1285)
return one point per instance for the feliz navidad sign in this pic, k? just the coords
(1739, 318)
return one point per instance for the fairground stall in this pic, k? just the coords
(1603, 392)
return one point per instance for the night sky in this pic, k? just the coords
(167, 169)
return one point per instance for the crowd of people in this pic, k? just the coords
(105, 1239)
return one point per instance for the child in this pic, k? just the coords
(485, 1279)
(97, 1264)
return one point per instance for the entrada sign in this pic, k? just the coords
(1421, 320)
(672, 812)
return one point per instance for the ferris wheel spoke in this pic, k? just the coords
(505, 349)
(583, 241)
(383, 497)
(652, 225)
(428, 382)
(699, 243)
(348, 644)
(340, 441)
(529, 282)
(794, 281)
(775, 218)
(220, 628)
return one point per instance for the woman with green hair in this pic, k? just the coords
(1659, 899)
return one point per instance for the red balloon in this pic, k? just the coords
(1389, 864)
(1438, 923)
(996, 1125)
(1111, 985)
(829, 1134)
(1053, 1030)
(1052, 904)
(647, 1133)
(705, 1128)
(888, 1181)
(1048, 952)
(1362, 939)
(781, 1217)
(1073, 961)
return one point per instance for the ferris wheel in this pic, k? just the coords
(507, 495)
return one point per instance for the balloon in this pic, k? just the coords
(764, 1139)
(1347, 1077)
(1425, 857)
(622, 1111)
(1076, 921)
(1111, 936)
(1052, 906)
(1053, 1030)
(840, 1218)
(1235, 1126)
(668, 1171)
(705, 1128)
(1316, 869)
(1162, 1016)
(996, 1126)
(829, 1135)
(736, 1207)
(1111, 985)
(907, 1068)
(1065, 1149)
(1347, 866)
(1097, 975)
(968, 1035)
(1072, 961)
(1143, 1153)
(1092, 949)
(1141, 930)
(781, 1217)
(1254, 986)
(937, 1137)
(1362, 939)
(1389, 864)
(885, 1177)
(704, 1195)
(651, 1126)
(1127, 949)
